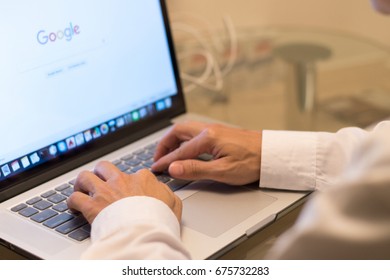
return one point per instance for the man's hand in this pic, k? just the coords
(236, 153)
(96, 190)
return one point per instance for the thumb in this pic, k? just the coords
(192, 169)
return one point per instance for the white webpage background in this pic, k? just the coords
(119, 61)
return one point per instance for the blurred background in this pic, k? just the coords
(273, 64)
(355, 16)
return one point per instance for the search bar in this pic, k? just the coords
(49, 60)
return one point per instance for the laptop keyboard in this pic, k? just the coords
(50, 208)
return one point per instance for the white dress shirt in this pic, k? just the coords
(348, 218)
(136, 228)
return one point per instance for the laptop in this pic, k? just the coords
(94, 80)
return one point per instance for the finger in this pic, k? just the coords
(189, 150)
(196, 170)
(83, 203)
(178, 134)
(106, 170)
(87, 182)
(78, 201)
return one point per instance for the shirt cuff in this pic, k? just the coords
(131, 211)
(288, 160)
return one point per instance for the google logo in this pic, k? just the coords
(68, 33)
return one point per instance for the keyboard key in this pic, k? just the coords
(87, 228)
(18, 207)
(61, 207)
(138, 152)
(28, 212)
(48, 193)
(152, 147)
(144, 157)
(148, 168)
(58, 220)
(67, 192)
(62, 187)
(57, 198)
(79, 234)
(44, 215)
(116, 162)
(176, 184)
(163, 178)
(33, 200)
(72, 225)
(135, 169)
(72, 182)
(42, 205)
(133, 161)
(148, 163)
(127, 157)
(123, 167)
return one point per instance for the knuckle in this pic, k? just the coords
(145, 173)
(83, 174)
(100, 164)
(120, 176)
(82, 177)
(193, 169)
(211, 131)
(178, 126)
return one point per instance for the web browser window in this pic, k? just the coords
(75, 67)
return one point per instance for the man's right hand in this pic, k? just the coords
(236, 153)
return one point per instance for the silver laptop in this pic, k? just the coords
(94, 80)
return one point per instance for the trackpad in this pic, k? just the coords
(217, 208)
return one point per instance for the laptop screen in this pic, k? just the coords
(75, 72)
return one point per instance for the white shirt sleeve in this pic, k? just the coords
(307, 160)
(351, 219)
(136, 228)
